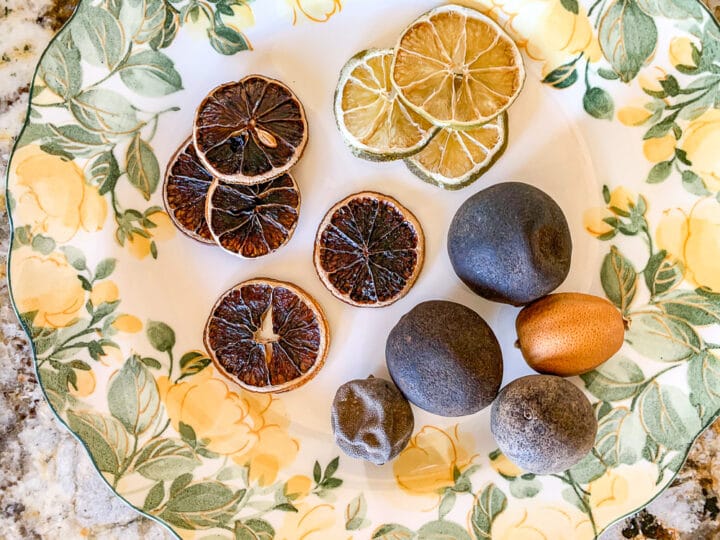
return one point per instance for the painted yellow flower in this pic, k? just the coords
(251, 428)
(621, 199)
(427, 464)
(694, 239)
(48, 285)
(104, 291)
(113, 356)
(321, 522)
(621, 490)
(298, 487)
(314, 10)
(504, 466)
(649, 78)
(537, 521)
(546, 30)
(85, 384)
(140, 247)
(659, 148)
(701, 142)
(681, 52)
(633, 115)
(129, 324)
(52, 197)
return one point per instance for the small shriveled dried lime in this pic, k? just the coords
(369, 250)
(267, 335)
(250, 131)
(252, 221)
(185, 191)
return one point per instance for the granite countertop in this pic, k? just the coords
(48, 488)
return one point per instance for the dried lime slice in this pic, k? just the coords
(375, 123)
(456, 158)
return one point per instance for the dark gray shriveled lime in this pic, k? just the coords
(445, 358)
(510, 243)
(543, 423)
(371, 420)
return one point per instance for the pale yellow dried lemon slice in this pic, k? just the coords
(375, 123)
(457, 67)
(456, 158)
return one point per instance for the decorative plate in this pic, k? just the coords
(619, 121)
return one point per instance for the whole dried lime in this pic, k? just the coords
(267, 335)
(185, 191)
(252, 221)
(369, 250)
(250, 131)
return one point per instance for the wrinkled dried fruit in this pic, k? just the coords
(569, 333)
(267, 335)
(369, 250)
(185, 191)
(371, 420)
(250, 131)
(543, 423)
(252, 221)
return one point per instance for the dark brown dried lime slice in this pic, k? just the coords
(250, 131)
(267, 335)
(252, 221)
(185, 191)
(369, 250)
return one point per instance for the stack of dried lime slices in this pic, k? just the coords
(437, 100)
(229, 184)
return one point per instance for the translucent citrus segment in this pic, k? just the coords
(457, 67)
(456, 158)
(372, 118)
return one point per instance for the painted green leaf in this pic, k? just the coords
(698, 307)
(154, 497)
(104, 172)
(180, 483)
(355, 514)
(617, 379)
(672, 9)
(98, 35)
(133, 396)
(598, 103)
(662, 273)
(668, 415)
(194, 362)
(588, 469)
(151, 73)
(75, 140)
(226, 40)
(60, 67)
(523, 488)
(166, 459)
(166, 35)
(659, 172)
(142, 167)
(628, 37)
(392, 531)
(694, 184)
(442, 530)
(571, 5)
(562, 77)
(254, 529)
(43, 244)
(619, 279)
(104, 111)
(105, 437)
(488, 505)
(662, 337)
(620, 438)
(105, 268)
(704, 379)
(142, 20)
(160, 336)
(200, 506)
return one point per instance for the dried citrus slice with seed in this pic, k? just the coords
(369, 250)
(375, 123)
(456, 158)
(267, 335)
(184, 192)
(253, 220)
(250, 131)
(457, 67)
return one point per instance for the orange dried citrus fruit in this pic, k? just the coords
(253, 220)
(369, 250)
(184, 192)
(267, 335)
(457, 67)
(375, 123)
(250, 131)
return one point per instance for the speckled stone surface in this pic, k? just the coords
(48, 488)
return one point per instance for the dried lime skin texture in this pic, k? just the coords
(510, 243)
(371, 420)
(543, 423)
(445, 358)
(185, 192)
(250, 131)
